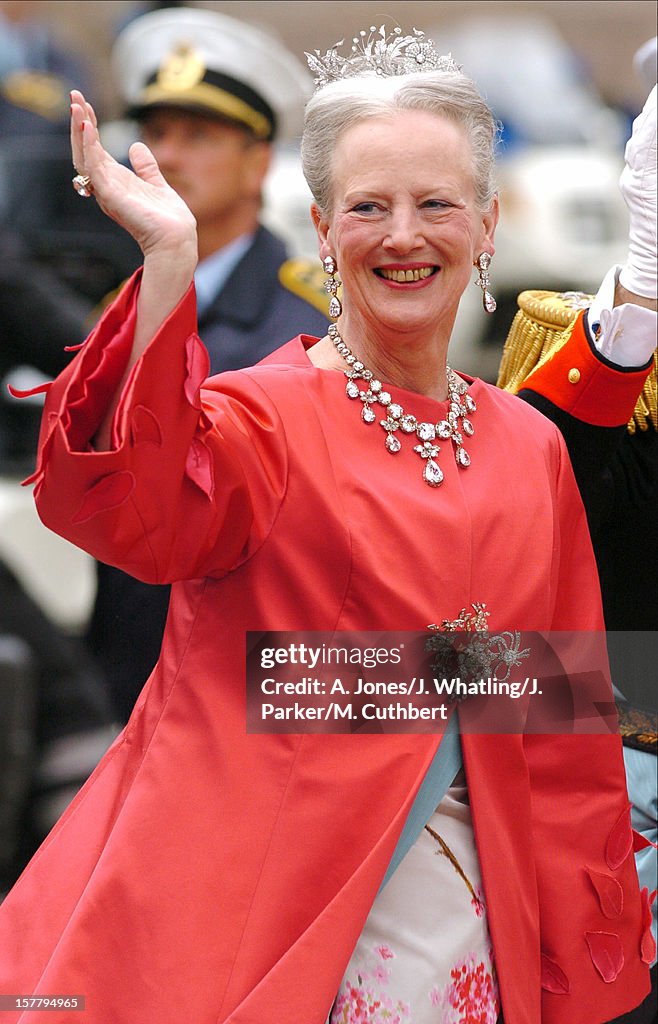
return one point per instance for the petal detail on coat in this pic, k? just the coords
(647, 943)
(607, 953)
(108, 492)
(32, 478)
(197, 365)
(199, 467)
(40, 389)
(640, 842)
(620, 840)
(609, 891)
(44, 452)
(553, 978)
(144, 427)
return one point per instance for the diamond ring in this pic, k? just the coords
(83, 186)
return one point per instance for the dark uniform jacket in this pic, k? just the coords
(608, 421)
(255, 313)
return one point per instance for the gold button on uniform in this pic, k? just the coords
(574, 375)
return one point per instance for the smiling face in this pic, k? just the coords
(404, 227)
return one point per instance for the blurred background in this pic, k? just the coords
(601, 35)
(559, 76)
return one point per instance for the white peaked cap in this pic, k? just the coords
(205, 61)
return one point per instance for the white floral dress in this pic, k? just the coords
(424, 955)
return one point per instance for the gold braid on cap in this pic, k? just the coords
(541, 327)
(380, 54)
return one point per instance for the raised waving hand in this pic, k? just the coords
(140, 200)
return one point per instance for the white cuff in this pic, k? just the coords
(626, 334)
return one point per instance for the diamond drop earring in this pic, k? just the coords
(331, 287)
(484, 281)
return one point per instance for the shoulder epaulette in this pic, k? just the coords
(306, 279)
(646, 410)
(542, 326)
(41, 92)
(638, 727)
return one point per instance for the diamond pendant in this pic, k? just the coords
(335, 308)
(460, 404)
(432, 473)
(488, 302)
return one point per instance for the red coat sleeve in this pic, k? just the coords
(196, 468)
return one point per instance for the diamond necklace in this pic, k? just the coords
(460, 405)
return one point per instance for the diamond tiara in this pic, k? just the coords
(380, 54)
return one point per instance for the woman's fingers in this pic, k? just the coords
(78, 115)
(144, 164)
(81, 111)
(91, 115)
(142, 202)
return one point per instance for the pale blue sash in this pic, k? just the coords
(446, 763)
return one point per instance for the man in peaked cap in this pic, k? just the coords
(211, 95)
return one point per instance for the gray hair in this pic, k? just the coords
(338, 106)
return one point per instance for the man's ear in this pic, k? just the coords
(257, 164)
(321, 225)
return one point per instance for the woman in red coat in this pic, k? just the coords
(211, 874)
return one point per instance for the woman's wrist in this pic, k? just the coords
(175, 260)
(166, 277)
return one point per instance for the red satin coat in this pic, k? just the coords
(210, 876)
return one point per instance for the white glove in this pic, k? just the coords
(638, 187)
